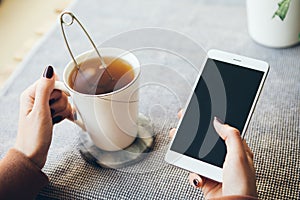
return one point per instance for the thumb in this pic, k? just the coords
(44, 88)
(230, 135)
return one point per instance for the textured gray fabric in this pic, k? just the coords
(273, 133)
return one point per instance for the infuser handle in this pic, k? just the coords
(69, 23)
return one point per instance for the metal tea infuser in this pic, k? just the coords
(63, 22)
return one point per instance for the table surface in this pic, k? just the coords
(170, 57)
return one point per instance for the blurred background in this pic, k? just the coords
(22, 25)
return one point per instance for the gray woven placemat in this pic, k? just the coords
(273, 133)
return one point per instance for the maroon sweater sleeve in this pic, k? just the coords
(20, 178)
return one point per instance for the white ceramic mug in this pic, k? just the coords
(110, 119)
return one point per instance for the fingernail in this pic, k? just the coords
(51, 101)
(196, 182)
(52, 111)
(56, 119)
(75, 116)
(218, 120)
(179, 109)
(48, 72)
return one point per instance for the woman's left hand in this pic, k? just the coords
(40, 108)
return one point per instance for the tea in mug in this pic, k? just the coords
(91, 78)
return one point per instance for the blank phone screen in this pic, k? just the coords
(226, 91)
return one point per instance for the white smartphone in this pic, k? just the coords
(227, 87)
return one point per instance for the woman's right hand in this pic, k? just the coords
(238, 169)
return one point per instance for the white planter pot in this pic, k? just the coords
(273, 32)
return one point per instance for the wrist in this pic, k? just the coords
(33, 156)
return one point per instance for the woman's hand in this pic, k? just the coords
(238, 169)
(40, 108)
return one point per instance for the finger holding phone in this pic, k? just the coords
(238, 168)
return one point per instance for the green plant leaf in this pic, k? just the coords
(282, 10)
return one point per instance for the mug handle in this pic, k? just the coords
(61, 86)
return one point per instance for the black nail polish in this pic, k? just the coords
(52, 111)
(48, 72)
(56, 120)
(75, 115)
(51, 101)
(219, 120)
(196, 182)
